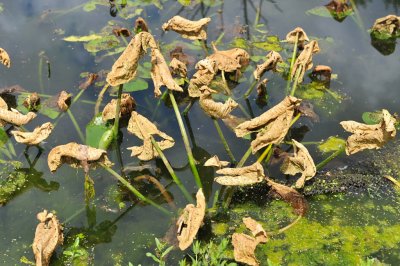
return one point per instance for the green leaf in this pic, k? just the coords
(185, 2)
(332, 144)
(49, 112)
(3, 137)
(85, 38)
(90, 6)
(95, 130)
(271, 44)
(138, 84)
(102, 44)
(372, 118)
(320, 11)
(239, 43)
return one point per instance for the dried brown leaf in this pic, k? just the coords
(206, 71)
(142, 128)
(272, 59)
(272, 125)
(190, 221)
(193, 30)
(90, 79)
(76, 155)
(128, 104)
(141, 25)
(241, 56)
(243, 176)
(290, 195)
(300, 162)
(5, 58)
(32, 102)
(33, 138)
(48, 235)
(230, 60)
(120, 31)
(214, 161)
(178, 53)
(301, 37)
(369, 136)
(64, 100)
(322, 72)
(389, 24)
(178, 68)
(338, 6)
(14, 117)
(256, 229)
(215, 109)
(244, 249)
(304, 61)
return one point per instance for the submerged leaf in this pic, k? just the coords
(76, 155)
(304, 61)
(48, 236)
(5, 58)
(243, 176)
(272, 59)
(214, 161)
(193, 30)
(190, 221)
(301, 162)
(271, 44)
(215, 109)
(369, 136)
(33, 138)
(372, 118)
(271, 126)
(128, 104)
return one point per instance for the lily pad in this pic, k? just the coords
(138, 84)
(95, 131)
(332, 144)
(102, 44)
(271, 44)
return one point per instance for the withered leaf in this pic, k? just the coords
(304, 61)
(178, 68)
(240, 55)
(215, 109)
(206, 70)
(300, 162)
(64, 100)
(178, 53)
(90, 79)
(256, 229)
(76, 155)
(244, 248)
(190, 221)
(32, 102)
(128, 104)
(215, 161)
(13, 117)
(119, 31)
(369, 136)
(272, 59)
(5, 58)
(230, 60)
(193, 30)
(322, 72)
(290, 195)
(243, 176)
(48, 235)
(301, 37)
(271, 126)
(142, 128)
(389, 24)
(141, 25)
(33, 138)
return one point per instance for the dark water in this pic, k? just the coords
(367, 79)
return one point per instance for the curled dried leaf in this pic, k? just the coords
(298, 33)
(300, 162)
(128, 104)
(272, 59)
(142, 128)
(389, 24)
(241, 56)
(272, 126)
(215, 161)
(369, 136)
(76, 155)
(178, 68)
(90, 79)
(256, 229)
(14, 117)
(119, 31)
(48, 235)
(243, 176)
(5, 58)
(190, 221)
(206, 70)
(64, 100)
(125, 68)
(193, 30)
(33, 138)
(141, 25)
(290, 195)
(322, 73)
(215, 109)
(304, 61)
(32, 102)
(244, 248)
(338, 6)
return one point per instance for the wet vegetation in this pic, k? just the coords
(188, 140)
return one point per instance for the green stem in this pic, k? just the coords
(76, 125)
(222, 137)
(265, 153)
(244, 158)
(185, 141)
(171, 171)
(293, 56)
(203, 45)
(117, 110)
(250, 89)
(330, 158)
(296, 79)
(188, 107)
(163, 96)
(135, 191)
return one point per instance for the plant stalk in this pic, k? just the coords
(330, 158)
(250, 89)
(296, 79)
(76, 125)
(222, 137)
(265, 153)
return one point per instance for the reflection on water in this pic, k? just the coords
(32, 32)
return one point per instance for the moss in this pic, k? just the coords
(220, 229)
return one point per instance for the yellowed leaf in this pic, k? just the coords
(389, 24)
(215, 109)
(206, 70)
(304, 61)
(301, 37)
(369, 136)
(48, 235)
(243, 176)
(76, 155)
(178, 68)
(64, 100)
(5, 58)
(128, 104)
(193, 30)
(272, 126)
(190, 221)
(142, 128)
(272, 59)
(256, 229)
(33, 138)
(215, 161)
(300, 162)
(244, 248)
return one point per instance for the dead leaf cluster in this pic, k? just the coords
(369, 136)
(48, 235)
(206, 71)
(215, 161)
(301, 36)
(5, 58)
(190, 221)
(243, 176)
(230, 60)
(128, 104)
(389, 24)
(272, 126)
(192, 30)
(38, 135)
(215, 109)
(272, 59)
(142, 128)
(304, 61)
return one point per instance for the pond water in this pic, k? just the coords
(117, 228)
